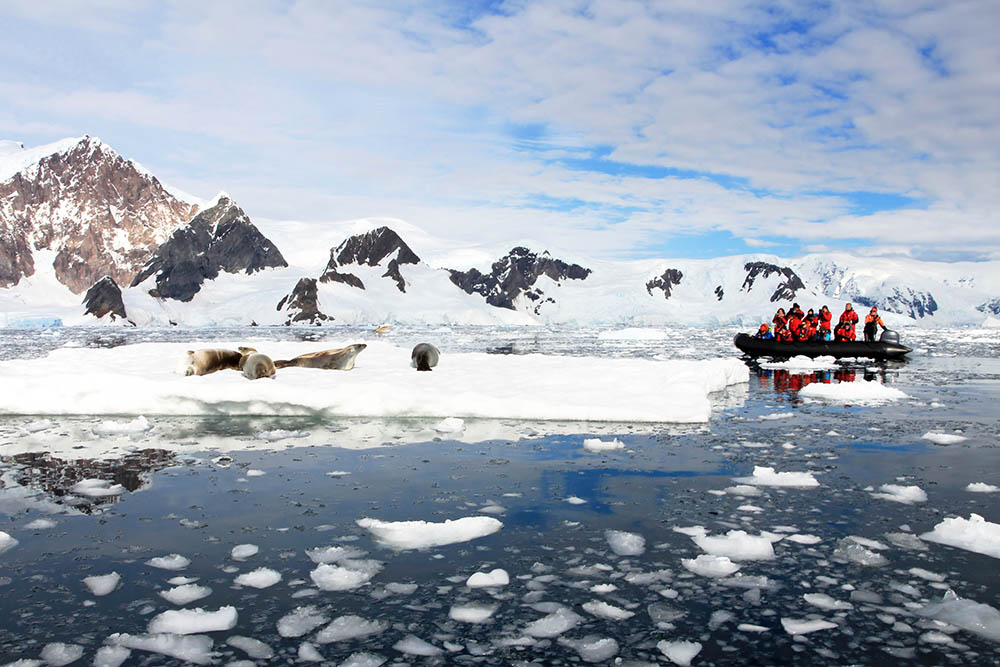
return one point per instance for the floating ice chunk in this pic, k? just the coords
(799, 626)
(559, 621)
(255, 473)
(138, 425)
(301, 621)
(424, 534)
(865, 542)
(472, 613)
(750, 627)
(738, 545)
(624, 543)
(348, 575)
(744, 490)
(592, 648)
(906, 541)
(280, 434)
(413, 645)
(679, 652)
(575, 500)
(39, 425)
(193, 648)
(364, 659)
(111, 656)
(973, 534)
(707, 565)
(908, 495)
(180, 581)
(763, 476)
(492, 579)
(693, 531)
(244, 551)
(492, 508)
(102, 584)
(975, 487)
(943, 438)
(337, 473)
(254, 648)
(262, 577)
(598, 445)
(334, 554)
(804, 539)
(171, 562)
(978, 618)
(603, 589)
(860, 392)
(185, 594)
(602, 609)
(450, 425)
(824, 601)
(308, 653)
(193, 621)
(935, 637)
(349, 627)
(852, 552)
(800, 364)
(40, 524)
(96, 488)
(926, 574)
(750, 508)
(58, 653)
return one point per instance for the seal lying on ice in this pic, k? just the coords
(340, 359)
(424, 356)
(255, 364)
(203, 362)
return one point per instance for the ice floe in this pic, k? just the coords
(193, 621)
(473, 612)
(561, 620)
(802, 364)
(244, 551)
(592, 648)
(908, 495)
(58, 654)
(738, 545)
(711, 566)
(349, 627)
(679, 652)
(413, 645)
(425, 534)
(764, 476)
(976, 617)
(301, 621)
(185, 594)
(171, 562)
(262, 577)
(602, 609)
(349, 575)
(944, 438)
(493, 579)
(981, 487)
(138, 425)
(6, 542)
(598, 445)
(799, 626)
(96, 488)
(860, 392)
(102, 584)
(624, 543)
(193, 648)
(973, 534)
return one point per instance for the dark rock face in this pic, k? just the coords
(666, 282)
(99, 212)
(719, 292)
(370, 250)
(302, 305)
(516, 274)
(902, 300)
(785, 291)
(991, 307)
(105, 298)
(221, 238)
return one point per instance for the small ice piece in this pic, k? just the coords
(744, 490)
(598, 445)
(413, 645)
(138, 425)
(824, 601)
(908, 495)
(943, 438)
(450, 425)
(575, 500)
(774, 416)
(364, 659)
(253, 472)
(865, 542)
(244, 551)
(852, 552)
(679, 652)
(750, 627)
(334, 554)
(424, 534)
(693, 531)
(308, 653)
(559, 621)
(927, 575)
(976, 617)
(804, 539)
(602, 609)
(906, 541)
(262, 577)
(763, 476)
(860, 392)
(492, 508)
(337, 473)
(624, 543)
(592, 648)
(472, 613)
(301, 621)
(738, 545)
(40, 524)
(280, 434)
(39, 425)
(492, 579)
(349, 627)
(974, 487)
(349, 575)
(185, 594)
(799, 626)
(972, 534)
(171, 562)
(111, 656)
(254, 648)
(193, 621)
(707, 565)
(58, 653)
(193, 648)
(102, 584)
(603, 589)
(96, 488)
(180, 581)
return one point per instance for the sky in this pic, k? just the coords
(610, 128)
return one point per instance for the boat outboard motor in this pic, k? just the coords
(889, 336)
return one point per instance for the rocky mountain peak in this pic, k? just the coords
(370, 249)
(100, 212)
(786, 289)
(301, 306)
(105, 298)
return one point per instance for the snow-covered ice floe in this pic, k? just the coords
(144, 379)
(944, 438)
(860, 391)
(426, 534)
(973, 534)
(802, 364)
(764, 476)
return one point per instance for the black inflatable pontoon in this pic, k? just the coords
(887, 347)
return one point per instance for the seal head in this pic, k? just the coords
(424, 356)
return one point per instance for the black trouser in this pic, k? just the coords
(870, 329)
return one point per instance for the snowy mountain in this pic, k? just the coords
(76, 217)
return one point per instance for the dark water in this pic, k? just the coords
(202, 505)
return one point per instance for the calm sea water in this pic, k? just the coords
(283, 499)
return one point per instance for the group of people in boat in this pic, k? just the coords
(796, 325)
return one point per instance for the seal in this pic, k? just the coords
(424, 356)
(340, 359)
(256, 365)
(203, 362)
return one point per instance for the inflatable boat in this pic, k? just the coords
(886, 347)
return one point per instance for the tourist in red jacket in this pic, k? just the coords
(783, 334)
(825, 318)
(780, 319)
(849, 318)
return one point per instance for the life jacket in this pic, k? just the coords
(849, 316)
(825, 316)
(794, 323)
(873, 318)
(784, 335)
(779, 321)
(803, 333)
